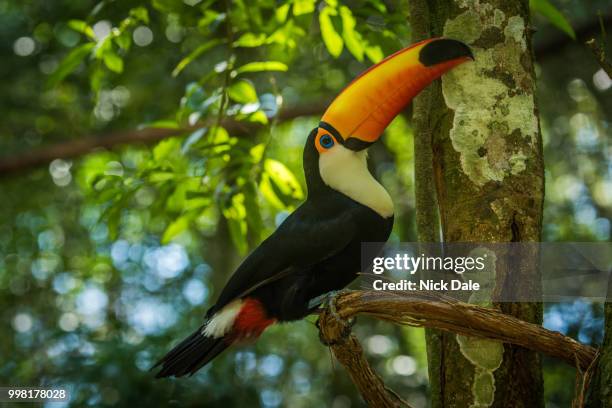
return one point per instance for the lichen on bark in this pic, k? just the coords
(490, 100)
(485, 355)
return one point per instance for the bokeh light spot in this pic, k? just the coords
(142, 36)
(22, 322)
(195, 292)
(404, 365)
(24, 46)
(379, 344)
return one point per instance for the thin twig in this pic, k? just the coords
(600, 56)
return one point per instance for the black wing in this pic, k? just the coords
(305, 238)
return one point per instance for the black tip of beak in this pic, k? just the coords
(443, 50)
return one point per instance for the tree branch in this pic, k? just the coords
(86, 144)
(345, 346)
(444, 313)
(600, 56)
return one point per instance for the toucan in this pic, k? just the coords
(317, 249)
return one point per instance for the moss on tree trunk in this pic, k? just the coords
(482, 125)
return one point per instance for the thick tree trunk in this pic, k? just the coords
(600, 388)
(483, 127)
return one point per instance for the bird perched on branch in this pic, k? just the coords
(317, 249)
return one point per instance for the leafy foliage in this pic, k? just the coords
(103, 50)
(232, 171)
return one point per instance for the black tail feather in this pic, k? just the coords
(190, 355)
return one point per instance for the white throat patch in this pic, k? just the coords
(346, 171)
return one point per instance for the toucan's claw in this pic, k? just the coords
(320, 300)
(333, 297)
(347, 324)
(324, 300)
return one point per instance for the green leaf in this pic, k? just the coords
(175, 228)
(281, 13)
(253, 213)
(193, 138)
(242, 91)
(124, 40)
(162, 124)
(352, 38)
(374, 53)
(303, 7)
(140, 13)
(268, 193)
(82, 27)
(238, 229)
(102, 47)
(193, 55)
(257, 117)
(161, 177)
(176, 200)
(284, 178)
(113, 61)
(197, 203)
(235, 213)
(112, 219)
(262, 66)
(70, 63)
(96, 77)
(378, 5)
(220, 136)
(257, 152)
(279, 184)
(552, 14)
(333, 40)
(194, 96)
(166, 149)
(169, 6)
(250, 40)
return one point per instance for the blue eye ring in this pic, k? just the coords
(326, 141)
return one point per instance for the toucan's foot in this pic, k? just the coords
(320, 300)
(325, 299)
(347, 325)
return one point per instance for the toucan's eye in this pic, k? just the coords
(326, 141)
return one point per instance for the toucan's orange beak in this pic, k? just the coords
(362, 111)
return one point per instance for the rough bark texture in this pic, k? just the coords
(336, 333)
(427, 215)
(488, 170)
(600, 388)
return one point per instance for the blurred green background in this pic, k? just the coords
(109, 258)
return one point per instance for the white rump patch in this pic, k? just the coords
(347, 171)
(222, 321)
